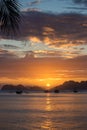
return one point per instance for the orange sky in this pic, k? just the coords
(42, 71)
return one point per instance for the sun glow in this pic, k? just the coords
(48, 85)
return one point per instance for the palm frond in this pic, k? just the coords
(9, 15)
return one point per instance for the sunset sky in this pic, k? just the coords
(51, 46)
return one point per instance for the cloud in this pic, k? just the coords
(34, 2)
(49, 54)
(7, 46)
(29, 54)
(33, 9)
(57, 31)
(77, 8)
(84, 2)
(7, 54)
(54, 29)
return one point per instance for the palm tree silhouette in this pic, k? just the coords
(9, 15)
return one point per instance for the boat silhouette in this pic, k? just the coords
(56, 91)
(75, 91)
(19, 91)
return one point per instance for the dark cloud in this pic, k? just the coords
(57, 28)
(80, 2)
(53, 29)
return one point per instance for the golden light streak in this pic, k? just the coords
(48, 103)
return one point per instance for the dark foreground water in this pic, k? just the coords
(43, 111)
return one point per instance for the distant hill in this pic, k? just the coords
(9, 87)
(14, 88)
(71, 86)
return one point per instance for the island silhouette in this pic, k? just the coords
(71, 86)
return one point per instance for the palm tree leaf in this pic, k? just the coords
(9, 15)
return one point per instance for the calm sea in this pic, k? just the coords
(42, 111)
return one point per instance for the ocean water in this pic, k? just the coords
(43, 111)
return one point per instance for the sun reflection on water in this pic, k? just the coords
(47, 123)
(48, 103)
